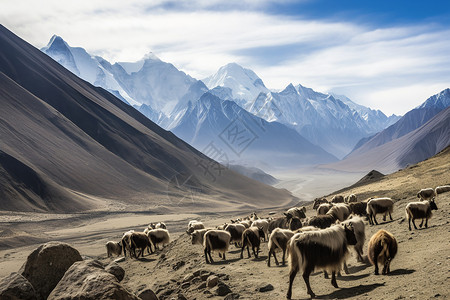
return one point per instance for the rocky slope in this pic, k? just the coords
(415, 146)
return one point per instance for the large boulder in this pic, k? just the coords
(16, 287)
(116, 270)
(147, 294)
(88, 280)
(46, 265)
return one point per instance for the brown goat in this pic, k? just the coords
(139, 240)
(382, 249)
(251, 237)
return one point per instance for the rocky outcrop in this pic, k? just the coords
(16, 287)
(116, 270)
(88, 280)
(46, 265)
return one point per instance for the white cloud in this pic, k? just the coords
(376, 65)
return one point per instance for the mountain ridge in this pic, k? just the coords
(96, 148)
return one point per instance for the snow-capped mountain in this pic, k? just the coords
(417, 145)
(243, 83)
(333, 122)
(439, 101)
(408, 123)
(239, 136)
(155, 85)
(376, 120)
(166, 95)
(158, 84)
(67, 146)
(86, 66)
(321, 118)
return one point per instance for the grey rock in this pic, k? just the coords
(181, 297)
(88, 280)
(212, 281)
(185, 285)
(16, 287)
(147, 294)
(265, 288)
(188, 277)
(116, 270)
(120, 259)
(232, 296)
(198, 272)
(196, 280)
(46, 265)
(222, 289)
(202, 286)
(203, 277)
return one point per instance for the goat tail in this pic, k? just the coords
(248, 239)
(269, 243)
(277, 243)
(385, 251)
(294, 255)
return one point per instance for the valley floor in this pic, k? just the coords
(307, 184)
(420, 270)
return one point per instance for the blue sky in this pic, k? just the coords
(388, 55)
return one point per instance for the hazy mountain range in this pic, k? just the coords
(418, 135)
(168, 97)
(290, 128)
(325, 120)
(67, 146)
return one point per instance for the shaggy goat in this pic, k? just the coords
(279, 239)
(236, 231)
(113, 248)
(198, 235)
(246, 223)
(324, 208)
(426, 194)
(359, 228)
(379, 206)
(340, 211)
(298, 212)
(194, 225)
(358, 208)
(286, 222)
(158, 237)
(442, 189)
(319, 201)
(160, 225)
(321, 221)
(337, 199)
(381, 250)
(216, 240)
(139, 240)
(294, 223)
(126, 242)
(419, 210)
(264, 224)
(251, 237)
(323, 249)
(351, 198)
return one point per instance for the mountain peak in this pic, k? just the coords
(289, 89)
(244, 83)
(440, 100)
(232, 66)
(56, 42)
(151, 56)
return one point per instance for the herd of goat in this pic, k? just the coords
(318, 242)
